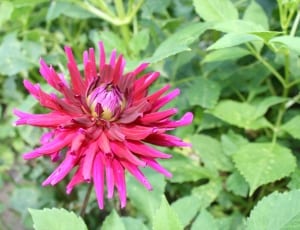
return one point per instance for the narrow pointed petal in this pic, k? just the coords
(119, 175)
(98, 178)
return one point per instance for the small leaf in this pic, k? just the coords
(255, 13)
(208, 193)
(185, 169)
(237, 184)
(215, 10)
(231, 142)
(131, 223)
(6, 9)
(182, 38)
(186, 208)
(289, 42)
(165, 218)
(205, 221)
(292, 127)
(56, 219)
(113, 222)
(211, 153)
(234, 39)
(231, 53)
(262, 163)
(276, 211)
(203, 92)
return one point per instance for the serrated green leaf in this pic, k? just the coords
(255, 13)
(234, 39)
(278, 211)
(294, 183)
(203, 92)
(144, 201)
(165, 218)
(215, 10)
(182, 38)
(113, 222)
(205, 221)
(262, 163)
(56, 219)
(225, 54)
(185, 169)
(292, 127)
(211, 153)
(263, 104)
(237, 184)
(208, 193)
(240, 114)
(186, 208)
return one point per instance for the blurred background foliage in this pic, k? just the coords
(207, 186)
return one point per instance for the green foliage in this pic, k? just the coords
(237, 66)
(56, 219)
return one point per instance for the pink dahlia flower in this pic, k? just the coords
(103, 123)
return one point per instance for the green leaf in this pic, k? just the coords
(238, 26)
(186, 208)
(182, 38)
(165, 218)
(56, 219)
(208, 193)
(276, 211)
(231, 53)
(144, 201)
(292, 127)
(6, 9)
(203, 92)
(70, 9)
(139, 41)
(234, 39)
(205, 221)
(131, 223)
(237, 184)
(285, 41)
(262, 163)
(263, 104)
(294, 183)
(231, 142)
(185, 169)
(215, 10)
(240, 114)
(255, 13)
(211, 153)
(113, 222)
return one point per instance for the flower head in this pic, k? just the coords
(102, 123)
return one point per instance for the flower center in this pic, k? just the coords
(106, 102)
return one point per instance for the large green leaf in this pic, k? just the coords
(186, 208)
(205, 221)
(278, 211)
(292, 127)
(113, 222)
(234, 39)
(241, 114)
(262, 163)
(255, 13)
(211, 153)
(203, 92)
(179, 41)
(216, 10)
(166, 218)
(238, 26)
(56, 219)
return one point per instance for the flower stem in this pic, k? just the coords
(86, 199)
(295, 24)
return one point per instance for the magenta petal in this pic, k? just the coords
(119, 175)
(98, 178)
(157, 167)
(109, 177)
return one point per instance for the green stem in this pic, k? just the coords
(86, 199)
(267, 65)
(295, 24)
